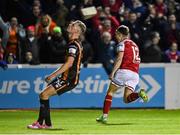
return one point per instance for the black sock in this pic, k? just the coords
(41, 112)
(44, 112)
(48, 117)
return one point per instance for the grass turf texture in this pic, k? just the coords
(76, 121)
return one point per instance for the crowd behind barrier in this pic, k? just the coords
(34, 32)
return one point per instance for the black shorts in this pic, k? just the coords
(61, 86)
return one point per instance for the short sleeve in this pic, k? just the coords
(120, 47)
(72, 50)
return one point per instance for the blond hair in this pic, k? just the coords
(81, 25)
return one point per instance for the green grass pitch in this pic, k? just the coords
(80, 121)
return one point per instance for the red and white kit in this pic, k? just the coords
(127, 74)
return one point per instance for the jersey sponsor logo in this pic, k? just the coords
(149, 83)
(72, 50)
(91, 84)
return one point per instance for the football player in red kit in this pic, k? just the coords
(124, 73)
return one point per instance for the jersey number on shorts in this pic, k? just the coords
(136, 57)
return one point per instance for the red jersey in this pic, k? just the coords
(173, 56)
(131, 58)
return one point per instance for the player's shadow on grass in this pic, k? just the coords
(50, 129)
(55, 129)
(116, 124)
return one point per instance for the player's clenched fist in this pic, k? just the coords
(48, 79)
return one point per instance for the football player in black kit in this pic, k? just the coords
(64, 78)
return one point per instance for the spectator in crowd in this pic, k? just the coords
(1, 50)
(153, 52)
(172, 31)
(174, 8)
(138, 8)
(87, 51)
(45, 26)
(16, 34)
(11, 59)
(114, 5)
(57, 46)
(5, 34)
(142, 17)
(172, 54)
(3, 64)
(61, 14)
(135, 28)
(29, 58)
(124, 15)
(94, 37)
(98, 18)
(36, 15)
(12, 45)
(74, 12)
(37, 3)
(149, 22)
(44, 32)
(44, 47)
(108, 52)
(114, 21)
(31, 45)
(104, 21)
(160, 7)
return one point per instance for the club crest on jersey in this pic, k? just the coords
(120, 47)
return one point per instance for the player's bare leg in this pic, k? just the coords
(107, 103)
(44, 111)
(130, 95)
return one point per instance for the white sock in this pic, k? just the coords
(105, 115)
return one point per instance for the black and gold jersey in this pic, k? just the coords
(74, 49)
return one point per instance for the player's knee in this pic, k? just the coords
(110, 93)
(125, 100)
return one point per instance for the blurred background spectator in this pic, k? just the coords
(57, 46)
(172, 31)
(87, 51)
(31, 45)
(45, 26)
(1, 50)
(154, 26)
(29, 58)
(108, 51)
(172, 54)
(4, 30)
(153, 53)
(15, 33)
(3, 64)
(11, 59)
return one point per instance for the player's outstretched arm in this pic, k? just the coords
(62, 69)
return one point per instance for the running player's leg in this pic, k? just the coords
(131, 82)
(131, 79)
(130, 95)
(107, 102)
